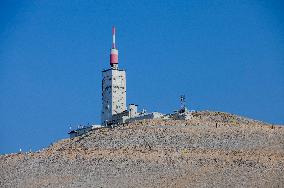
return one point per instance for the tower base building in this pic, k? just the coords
(113, 94)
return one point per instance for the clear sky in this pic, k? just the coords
(223, 55)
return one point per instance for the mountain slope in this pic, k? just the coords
(213, 149)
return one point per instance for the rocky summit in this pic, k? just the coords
(213, 149)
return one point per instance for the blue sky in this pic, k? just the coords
(223, 55)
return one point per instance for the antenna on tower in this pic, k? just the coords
(113, 52)
(113, 37)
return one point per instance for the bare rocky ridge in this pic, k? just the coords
(214, 149)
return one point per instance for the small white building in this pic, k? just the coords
(141, 116)
(133, 110)
(82, 130)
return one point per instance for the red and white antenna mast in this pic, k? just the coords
(113, 51)
(113, 37)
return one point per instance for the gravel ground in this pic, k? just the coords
(214, 149)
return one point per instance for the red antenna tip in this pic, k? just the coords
(113, 30)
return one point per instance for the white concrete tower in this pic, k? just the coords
(113, 87)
